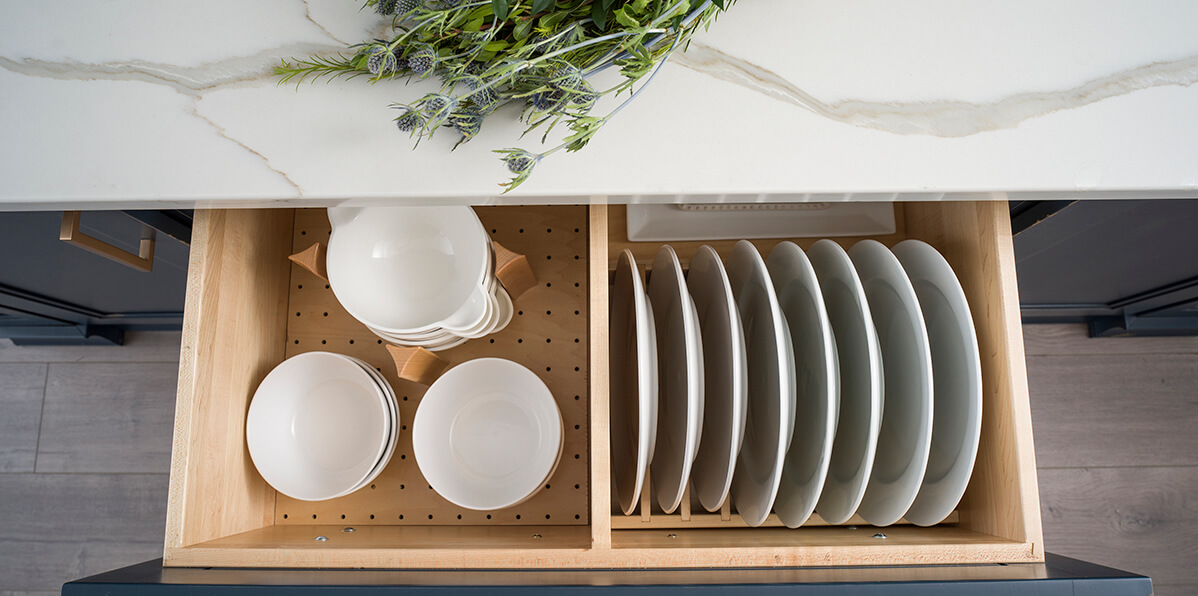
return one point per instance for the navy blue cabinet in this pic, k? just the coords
(54, 292)
(1122, 267)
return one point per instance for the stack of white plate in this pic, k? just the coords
(417, 276)
(801, 383)
(322, 425)
(487, 434)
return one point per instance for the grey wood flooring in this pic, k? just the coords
(85, 440)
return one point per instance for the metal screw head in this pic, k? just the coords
(321, 539)
(880, 535)
(348, 530)
(536, 536)
(671, 535)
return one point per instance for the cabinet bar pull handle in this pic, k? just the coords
(142, 261)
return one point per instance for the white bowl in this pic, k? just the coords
(318, 425)
(409, 270)
(487, 434)
(393, 412)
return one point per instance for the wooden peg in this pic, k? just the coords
(513, 271)
(726, 509)
(417, 364)
(312, 259)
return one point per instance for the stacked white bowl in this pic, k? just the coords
(417, 276)
(322, 425)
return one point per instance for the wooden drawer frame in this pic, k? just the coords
(221, 513)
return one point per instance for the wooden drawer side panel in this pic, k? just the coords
(1002, 498)
(233, 333)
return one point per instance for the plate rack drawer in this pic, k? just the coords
(248, 308)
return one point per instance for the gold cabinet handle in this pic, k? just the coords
(142, 261)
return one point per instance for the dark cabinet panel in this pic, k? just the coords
(1121, 266)
(54, 292)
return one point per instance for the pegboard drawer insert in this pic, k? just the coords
(248, 309)
(548, 335)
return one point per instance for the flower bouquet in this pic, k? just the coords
(543, 54)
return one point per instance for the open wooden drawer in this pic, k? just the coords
(248, 308)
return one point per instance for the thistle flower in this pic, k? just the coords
(423, 61)
(467, 122)
(545, 101)
(404, 7)
(567, 78)
(386, 7)
(436, 109)
(410, 120)
(483, 96)
(520, 163)
(585, 96)
(382, 60)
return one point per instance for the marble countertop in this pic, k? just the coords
(150, 103)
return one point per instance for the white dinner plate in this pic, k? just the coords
(956, 379)
(771, 394)
(817, 391)
(633, 362)
(487, 434)
(860, 373)
(317, 425)
(725, 380)
(906, 433)
(680, 383)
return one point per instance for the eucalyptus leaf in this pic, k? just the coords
(500, 8)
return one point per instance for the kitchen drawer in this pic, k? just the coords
(246, 312)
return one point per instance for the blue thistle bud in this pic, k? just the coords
(423, 61)
(546, 100)
(437, 107)
(467, 121)
(410, 120)
(382, 60)
(483, 96)
(520, 161)
(567, 77)
(474, 67)
(404, 7)
(586, 96)
(386, 7)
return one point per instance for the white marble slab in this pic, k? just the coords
(166, 103)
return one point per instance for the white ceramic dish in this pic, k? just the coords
(449, 341)
(680, 389)
(817, 377)
(487, 434)
(410, 269)
(317, 425)
(393, 437)
(771, 394)
(725, 378)
(860, 373)
(633, 365)
(906, 433)
(956, 379)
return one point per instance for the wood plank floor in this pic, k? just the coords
(85, 435)
(1116, 450)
